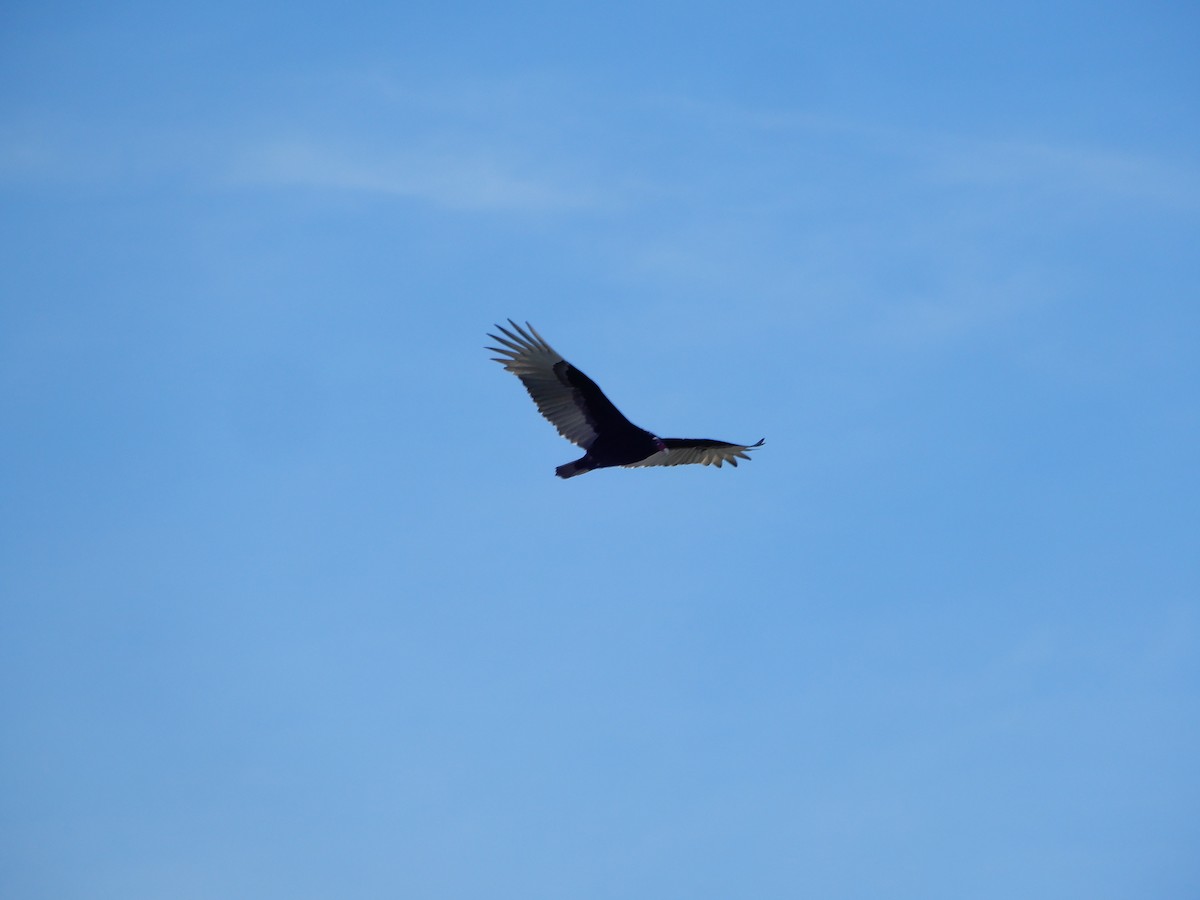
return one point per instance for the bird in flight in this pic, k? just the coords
(583, 415)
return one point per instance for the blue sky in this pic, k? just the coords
(293, 604)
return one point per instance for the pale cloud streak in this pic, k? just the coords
(450, 179)
(1086, 172)
(1029, 162)
(912, 237)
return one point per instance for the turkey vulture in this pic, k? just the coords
(584, 416)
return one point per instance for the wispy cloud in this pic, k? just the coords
(1026, 162)
(1058, 169)
(452, 179)
(909, 238)
(455, 150)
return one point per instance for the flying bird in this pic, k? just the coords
(583, 415)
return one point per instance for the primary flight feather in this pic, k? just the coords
(583, 415)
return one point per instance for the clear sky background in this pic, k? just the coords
(293, 606)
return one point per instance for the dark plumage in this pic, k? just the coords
(583, 415)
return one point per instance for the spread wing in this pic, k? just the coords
(682, 451)
(565, 396)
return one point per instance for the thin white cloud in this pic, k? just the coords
(450, 179)
(35, 153)
(1094, 173)
(951, 313)
(1091, 171)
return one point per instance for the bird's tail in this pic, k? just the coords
(571, 469)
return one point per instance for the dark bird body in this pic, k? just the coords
(575, 406)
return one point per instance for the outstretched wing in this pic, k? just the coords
(683, 451)
(564, 395)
